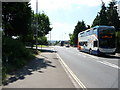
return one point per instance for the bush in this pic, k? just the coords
(118, 41)
(14, 55)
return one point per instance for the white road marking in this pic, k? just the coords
(95, 57)
(109, 64)
(89, 55)
(82, 55)
(72, 74)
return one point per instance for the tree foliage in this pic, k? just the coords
(43, 24)
(112, 15)
(16, 18)
(103, 15)
(78, 28)
(108, 16)
(43, 27)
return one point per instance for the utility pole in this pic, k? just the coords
(119, 9)
(36, 24)
(50, 39)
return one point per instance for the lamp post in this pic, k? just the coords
(50, 39)
(65, 36)
(36, 24)
(119, 9)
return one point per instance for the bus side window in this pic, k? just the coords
(94, 31)
(95, 44)
(82, 43)
(85, 43)
(88, 33)
(91, 32)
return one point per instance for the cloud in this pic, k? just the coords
(64, 27)
(61, 30)
(51, 5)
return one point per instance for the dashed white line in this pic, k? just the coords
(82, 55)
(90, 55)
(109, 64)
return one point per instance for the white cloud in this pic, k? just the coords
(61, 31)
(51, 5)
(63, 27)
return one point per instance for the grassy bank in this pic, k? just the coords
(43, 46)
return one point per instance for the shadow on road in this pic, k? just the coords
(34, 65)
(104, 56)
(109, 56)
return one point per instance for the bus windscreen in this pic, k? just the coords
(107, 38)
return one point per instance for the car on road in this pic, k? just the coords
(67, 46)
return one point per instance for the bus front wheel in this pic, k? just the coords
(90, 51)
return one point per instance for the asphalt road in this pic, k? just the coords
(91, 70)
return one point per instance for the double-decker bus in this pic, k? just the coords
(98, 40)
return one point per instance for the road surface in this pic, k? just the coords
(91, 70)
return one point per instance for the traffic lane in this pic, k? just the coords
(86, 65)
(111, 62)
(93, 74)
(108, 58)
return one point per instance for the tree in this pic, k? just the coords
(108, 16)
(112, 15)
(71, 39)
(78, 28)
(96, 21)
(101, 18)
(88, 26)
(103, 15)
(16, 17)
(43, 24)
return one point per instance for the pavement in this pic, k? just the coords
(45, 71)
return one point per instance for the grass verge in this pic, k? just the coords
(43, 46)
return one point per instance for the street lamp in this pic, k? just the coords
(36, 24)
(50, 38)
(119, 9)
(65, 37)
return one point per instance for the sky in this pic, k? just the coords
(64, 14)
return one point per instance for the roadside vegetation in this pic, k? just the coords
(108, 15)
(15, 56)
(19, 31)
(43, 46)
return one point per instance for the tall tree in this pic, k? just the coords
(112, 15)
(101, 18)
(96, 21)
(108, 16)
(103, 15)
(78, 28)
(16, 17)
(43, 24)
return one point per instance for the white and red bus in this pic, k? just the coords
(98, 40)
